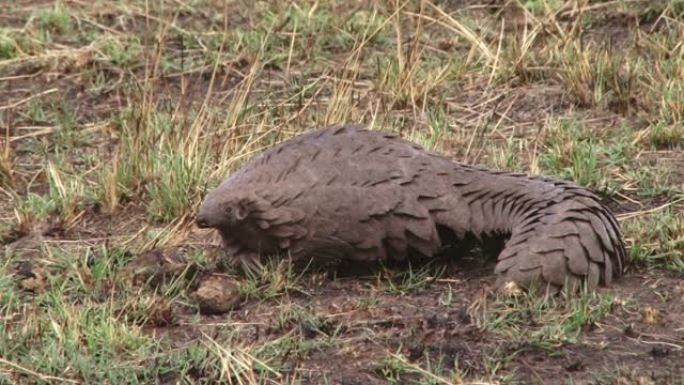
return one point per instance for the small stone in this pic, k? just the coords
(650, 315)
(630, 332)
(643, 380)
(679, 291)
(153, 267)
(31, 278)
(217, 294)
(574, 366)
(512, 289)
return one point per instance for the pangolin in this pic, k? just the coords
(347, 192)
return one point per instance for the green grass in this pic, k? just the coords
(8, 45)
(115, 118)
(275, 280)
(409, 280)
(658, 239)
(56, 20)
(396, 369)
(556, 323)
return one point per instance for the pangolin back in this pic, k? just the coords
(347, 192)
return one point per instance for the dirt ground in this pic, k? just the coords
(98, 287)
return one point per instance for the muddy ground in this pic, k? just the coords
(72, 95)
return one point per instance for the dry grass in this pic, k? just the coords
(116, 117)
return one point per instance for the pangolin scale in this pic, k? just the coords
(346, 192)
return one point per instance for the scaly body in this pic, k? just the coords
(346, 192)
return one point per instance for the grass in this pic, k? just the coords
(658, 240)
(397, 367)
(116, 118)
(557, 323)
(410, 280)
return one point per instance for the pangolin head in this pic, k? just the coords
(221, 209)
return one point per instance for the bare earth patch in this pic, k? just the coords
(115, 118)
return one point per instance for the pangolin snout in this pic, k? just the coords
(201, 221)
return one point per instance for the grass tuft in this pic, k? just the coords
(116, 117)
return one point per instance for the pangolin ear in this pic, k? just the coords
(242, 209)
(227, 208)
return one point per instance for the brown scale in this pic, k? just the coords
(350, 193)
